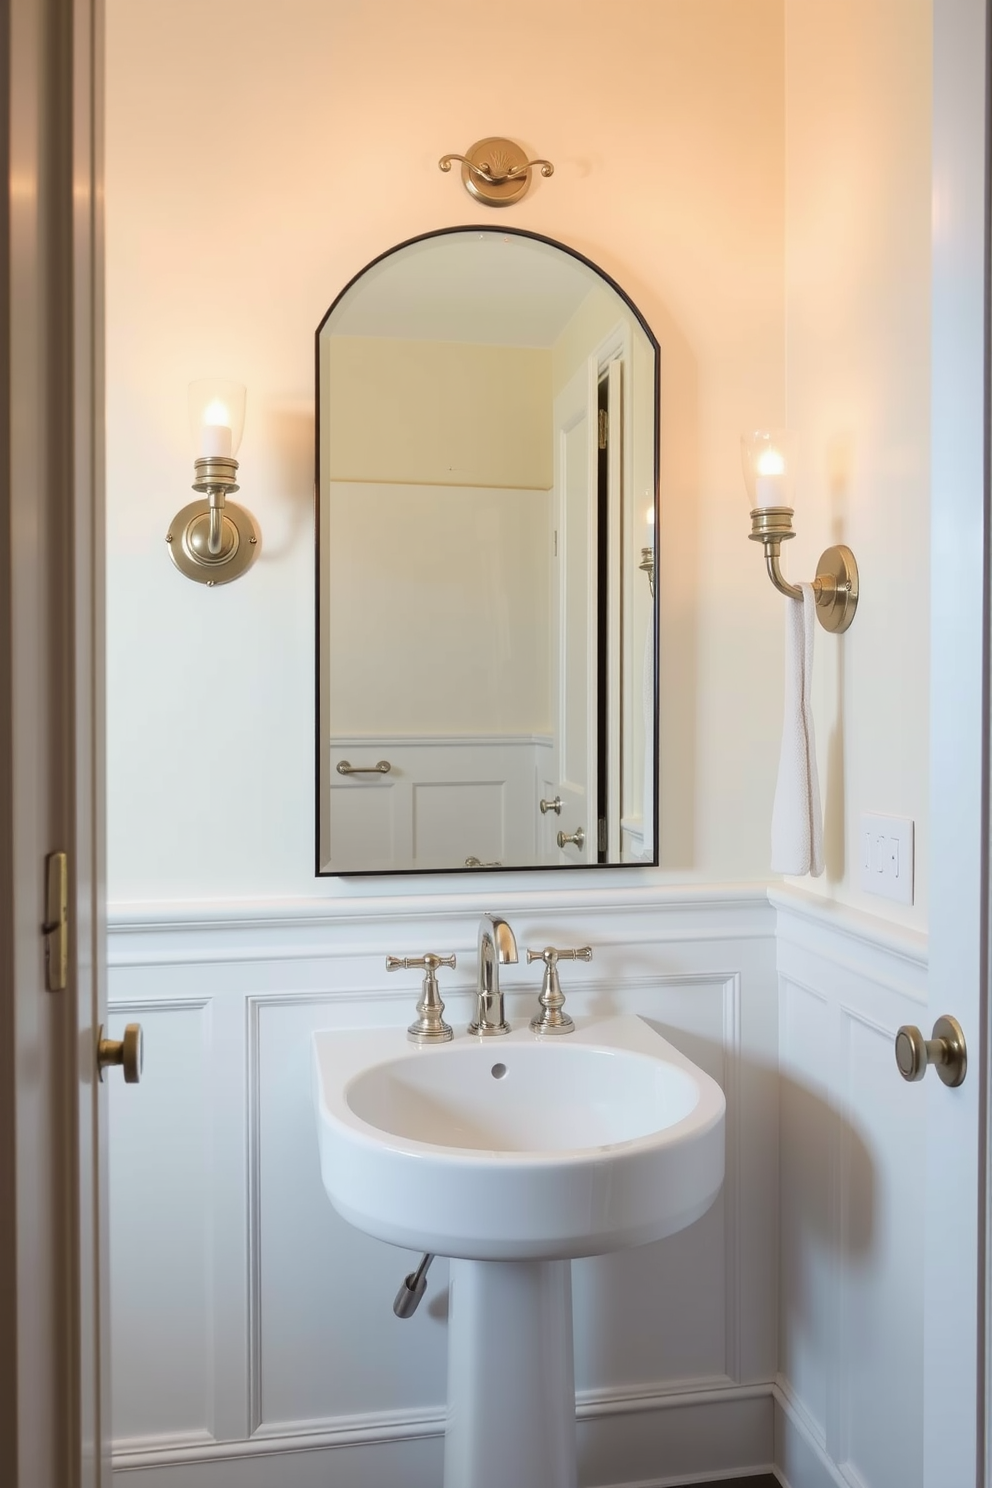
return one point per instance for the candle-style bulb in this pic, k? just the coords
(768, 458)
(216, 417)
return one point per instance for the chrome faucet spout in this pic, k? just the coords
(497, 946)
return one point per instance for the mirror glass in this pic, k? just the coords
(487, 458)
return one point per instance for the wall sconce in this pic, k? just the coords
(214, 541)
(496, 171)
(768, 456)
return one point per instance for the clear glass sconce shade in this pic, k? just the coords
(769, 460)
(216, 416)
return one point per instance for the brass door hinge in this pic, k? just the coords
(56, 926)
(602, 834)
(604, 428)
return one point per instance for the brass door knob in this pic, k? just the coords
(576, 838)
(128, 1051)
(946, 1051)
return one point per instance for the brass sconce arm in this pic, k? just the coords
(496, 171)
(773, 551)
(835, 587)
(493, 175)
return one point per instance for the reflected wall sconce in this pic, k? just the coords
(646, 564)
(214, 541)
(768, 457)
(496, 171)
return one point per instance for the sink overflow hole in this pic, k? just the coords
(498, 1071)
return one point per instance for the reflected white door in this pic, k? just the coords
(575, 493)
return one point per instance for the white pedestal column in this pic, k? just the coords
(511, 1383)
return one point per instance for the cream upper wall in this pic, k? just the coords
(858, 112)
(438, 412)
(232, 224)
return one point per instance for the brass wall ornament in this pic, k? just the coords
(768, 457)
(496, 171)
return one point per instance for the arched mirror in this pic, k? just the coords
(487, 468)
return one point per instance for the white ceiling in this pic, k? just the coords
(485, 287)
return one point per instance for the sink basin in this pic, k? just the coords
(517, 1148)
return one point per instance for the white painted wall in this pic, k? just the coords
(858, 205)
(233, 222)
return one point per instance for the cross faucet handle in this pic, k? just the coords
(551, 1019)
(551, 954)
(415, 963)
(429, 1026)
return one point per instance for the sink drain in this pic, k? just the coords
(498, 1071)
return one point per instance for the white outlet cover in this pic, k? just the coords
(886, 860)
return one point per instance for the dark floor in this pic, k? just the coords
(763, 1480)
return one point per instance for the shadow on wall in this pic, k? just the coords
(678, 576)
(840, 458)
(289, 444)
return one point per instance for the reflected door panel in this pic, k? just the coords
(575, 480)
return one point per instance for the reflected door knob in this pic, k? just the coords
(946, 1051)
(576, 838)
(128, 1051)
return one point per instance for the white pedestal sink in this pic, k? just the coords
(512, 1156)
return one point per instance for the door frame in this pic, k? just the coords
(54, 1400)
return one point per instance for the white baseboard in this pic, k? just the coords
(652, 1439)
(801, 1459)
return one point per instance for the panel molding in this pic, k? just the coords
(382, 1427)
(870, 975)
(801, 1457)
(253, 963)
(214, 932)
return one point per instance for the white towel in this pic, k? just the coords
(797, 819)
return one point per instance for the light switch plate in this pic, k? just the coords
(886, 856)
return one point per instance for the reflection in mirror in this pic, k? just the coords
(486, 637)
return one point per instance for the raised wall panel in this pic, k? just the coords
(808, 1216)
(882, 1217)
(161, 1217)
(661, 1311)
(327, 1341)
(456, 820)
(851, 1391)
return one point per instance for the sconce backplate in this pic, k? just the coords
(838, 600)
(187, 547)
(497, 157)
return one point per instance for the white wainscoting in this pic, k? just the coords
(445, 799)
(850, 1393)
(254, 1344)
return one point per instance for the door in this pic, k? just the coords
(53, 1397)
(955, 1163)
(576, 456)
